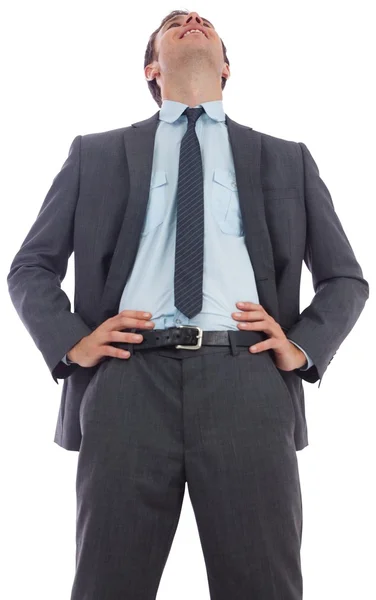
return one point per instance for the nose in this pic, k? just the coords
(194, 15)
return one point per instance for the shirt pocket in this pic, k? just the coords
(156, 207)
(224, 202)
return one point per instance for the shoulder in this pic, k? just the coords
(102, 145)
(279, 150)
(104, 137)
(273, 143)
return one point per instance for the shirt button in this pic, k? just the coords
(233, 183)
(178, 321)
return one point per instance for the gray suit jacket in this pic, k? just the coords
(96, 207)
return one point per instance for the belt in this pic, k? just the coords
(192, 337)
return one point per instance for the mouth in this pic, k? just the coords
(199, 32)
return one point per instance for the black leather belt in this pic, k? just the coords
(191, 337)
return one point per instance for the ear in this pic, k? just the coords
(226, 71)
(151, 71)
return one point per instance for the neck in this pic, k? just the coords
(193, 89)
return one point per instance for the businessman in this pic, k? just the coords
(184, 357)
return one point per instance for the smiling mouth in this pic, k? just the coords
(193, 33)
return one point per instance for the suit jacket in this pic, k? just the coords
(96, 207)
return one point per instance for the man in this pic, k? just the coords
(178, 219)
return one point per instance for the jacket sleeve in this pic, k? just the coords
(340, 289)
(40, 265)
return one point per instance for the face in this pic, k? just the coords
(173, 49)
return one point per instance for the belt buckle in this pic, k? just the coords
(199, 338)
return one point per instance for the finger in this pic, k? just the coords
(249, 316)
(127, 336)
(138, 314)
(132, 314)
(115, 352)
(123, 322)
(249, 306)
(136, 324)
(261, 346)
(256, 326)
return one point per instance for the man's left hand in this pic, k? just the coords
(254, 317)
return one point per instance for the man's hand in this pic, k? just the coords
(254, 317)
(92, 348)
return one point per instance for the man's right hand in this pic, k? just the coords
(93, 347)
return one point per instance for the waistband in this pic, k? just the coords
(190, 337)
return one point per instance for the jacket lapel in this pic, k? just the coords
(139, 149)
(246, 148)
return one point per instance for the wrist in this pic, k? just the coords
(300, 359)
(69, 358)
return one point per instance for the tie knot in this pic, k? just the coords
(193, 114)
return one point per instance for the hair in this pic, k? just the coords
(150, 55)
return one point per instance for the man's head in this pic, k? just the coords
(171, 59)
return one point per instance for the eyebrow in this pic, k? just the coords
(178, 17)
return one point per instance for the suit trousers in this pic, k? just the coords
(223, 422)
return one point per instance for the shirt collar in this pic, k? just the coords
(172, 110)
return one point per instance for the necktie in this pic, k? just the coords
(189, 221)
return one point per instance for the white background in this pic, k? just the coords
(300, 71)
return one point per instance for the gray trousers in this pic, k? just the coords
(221, 422)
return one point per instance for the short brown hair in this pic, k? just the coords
(154, 88)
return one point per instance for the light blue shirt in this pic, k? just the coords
(228, 274)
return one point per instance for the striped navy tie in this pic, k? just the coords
(189, 251)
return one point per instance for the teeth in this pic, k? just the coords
(191, 31)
